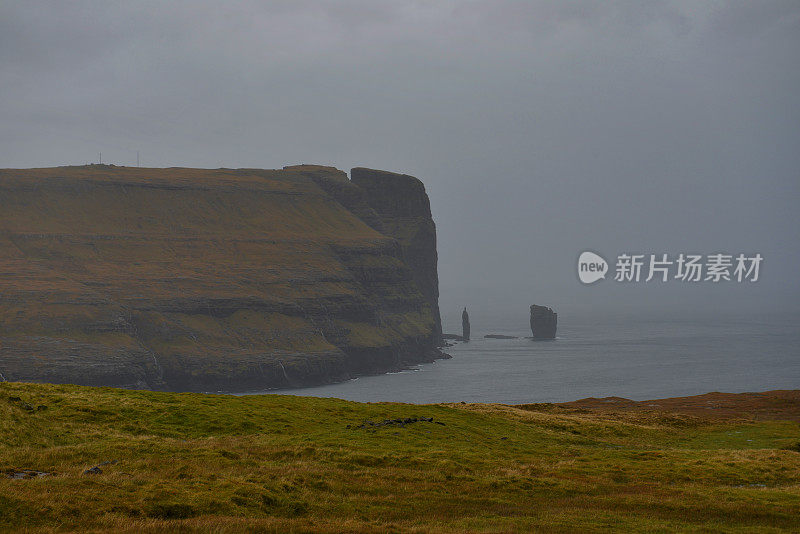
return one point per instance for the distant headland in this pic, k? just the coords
(225, 279)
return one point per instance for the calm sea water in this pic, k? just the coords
(634, 358)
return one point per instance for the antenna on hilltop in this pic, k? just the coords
(137, 158)
(101, 158)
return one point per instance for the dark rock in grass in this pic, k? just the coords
(96, 469)
(402, 422)
(19, 403)
(24, 474)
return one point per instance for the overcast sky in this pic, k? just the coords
(540, 129)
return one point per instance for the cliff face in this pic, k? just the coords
(405, 214)
(192, 279)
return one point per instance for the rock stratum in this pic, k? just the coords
(227, 279)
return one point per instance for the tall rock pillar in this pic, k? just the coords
(544, 322)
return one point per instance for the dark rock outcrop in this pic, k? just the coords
(25, 474)
(226, 279)
(399, 422)
(544, 322)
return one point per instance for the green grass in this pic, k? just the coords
(195, 462)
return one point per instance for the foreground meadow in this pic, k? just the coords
(100, 459)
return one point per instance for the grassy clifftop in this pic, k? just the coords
(200, 279)
(215, 463)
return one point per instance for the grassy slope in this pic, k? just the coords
(290, 463)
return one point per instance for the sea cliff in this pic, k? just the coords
(225, 279)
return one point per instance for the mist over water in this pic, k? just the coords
(634, 356)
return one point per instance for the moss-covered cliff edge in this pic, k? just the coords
(196, 279)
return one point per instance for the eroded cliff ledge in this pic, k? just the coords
(404, 211)
(194, 279)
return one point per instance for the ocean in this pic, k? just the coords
(633, 357)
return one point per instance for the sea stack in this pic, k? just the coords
(543, 322)
(465, 325)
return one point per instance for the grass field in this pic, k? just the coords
(193, 462)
